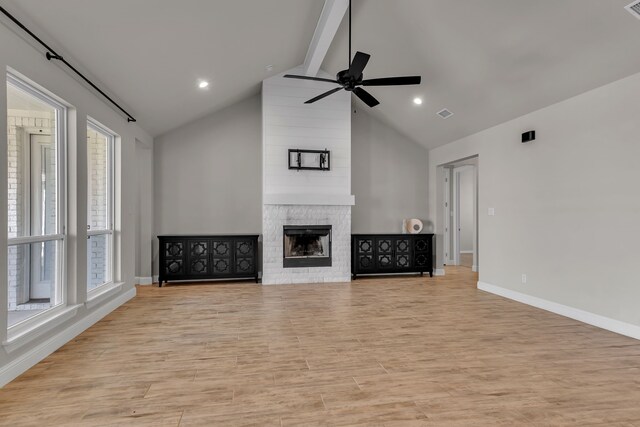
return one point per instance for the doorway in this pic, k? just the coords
(461, 213)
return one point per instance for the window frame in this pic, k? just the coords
(61, 139)
(95, 126)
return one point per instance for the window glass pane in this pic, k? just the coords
(98, 149)
(98, 251)
(32, 165)
(34, 279)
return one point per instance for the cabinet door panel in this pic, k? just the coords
(221, 248)
(245, 266)
(221, 266)
(402, 253)
(384, 246)
(403, 246)
(421, 260)
(365, 246)
(402, 261)
(422, 245)
(385, 261)
(174, 267)
(244, 248)
(199, 266)
(173, 249)
(365, 263)
(198, 248)
(384, 253)
(198, 257)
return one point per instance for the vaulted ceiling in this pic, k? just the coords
(487, 61)
(150, 53)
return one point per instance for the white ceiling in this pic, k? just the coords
(150, 53)
(487, 61)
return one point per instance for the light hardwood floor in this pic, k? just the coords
(378, 352)
(466, 260)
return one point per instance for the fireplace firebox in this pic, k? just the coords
(307, 246)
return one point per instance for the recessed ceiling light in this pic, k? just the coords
(417, 101)
(203, 84)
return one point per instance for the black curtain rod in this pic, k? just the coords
(52, 54)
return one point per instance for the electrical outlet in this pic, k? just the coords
(492, 211)
(524, 279)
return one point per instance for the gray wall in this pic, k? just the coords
(388, 176)
(208, 174)
(566, 205)
(144, 210)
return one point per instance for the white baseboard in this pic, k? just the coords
(18, 366)
(597, 320)
(144, 281)
(438, 272)
(155, 279)
(474, 268)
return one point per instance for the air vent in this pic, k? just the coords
(634, 9)
(445, 114)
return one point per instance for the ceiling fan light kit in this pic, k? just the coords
(352, 79)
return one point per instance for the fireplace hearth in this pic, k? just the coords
(307, 246)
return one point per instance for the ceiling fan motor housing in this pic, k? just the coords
(348, 81)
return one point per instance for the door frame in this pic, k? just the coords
(456, 171)
(450, 177)
(447, 206)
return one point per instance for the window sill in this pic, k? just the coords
(31, 331)
(101, 294)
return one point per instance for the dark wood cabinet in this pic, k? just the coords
(200, 257)
(392, 253)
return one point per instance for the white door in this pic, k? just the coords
(43, 215)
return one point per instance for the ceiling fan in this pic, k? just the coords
(351, 79)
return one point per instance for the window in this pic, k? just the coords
(36, 201)
(100, 180)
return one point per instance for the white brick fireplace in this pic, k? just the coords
(305, 197)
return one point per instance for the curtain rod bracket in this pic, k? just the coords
(51, 56)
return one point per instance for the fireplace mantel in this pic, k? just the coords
(309, 199)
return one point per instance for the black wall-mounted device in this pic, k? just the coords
(528, 136)
(310, 160)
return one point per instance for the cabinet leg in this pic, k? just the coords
(159, 283)
(353, 277)
(421, 273)
(257, 279)
(431, 274)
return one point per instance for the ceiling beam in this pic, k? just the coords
(330, 19)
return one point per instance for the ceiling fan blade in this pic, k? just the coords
(324, 95)
(366, 97)
(316, 79)
(357, 65)
(393, 81)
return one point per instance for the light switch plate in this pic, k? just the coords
(492, 211)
